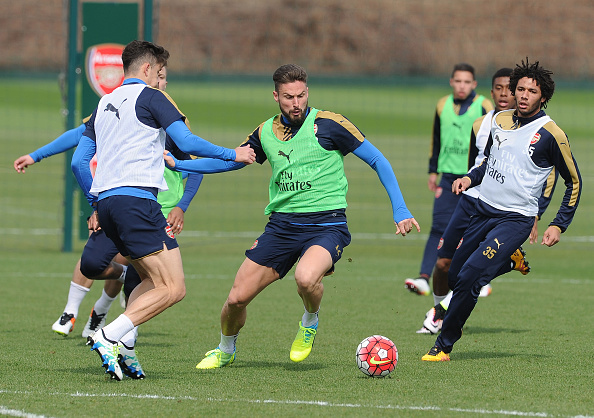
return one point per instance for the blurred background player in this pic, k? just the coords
(454, 116)
(465, 209)
(110, 267)
(307, 226)
(524, 147)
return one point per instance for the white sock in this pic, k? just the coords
(437, 299)
(103, 303)
(446, 302)
(309, 319)
(75, 296)
(129, 340)
(227, 344)
(119, 327)
(122, 277)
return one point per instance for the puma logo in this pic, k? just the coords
(499, 141)
(114, 109)
(497, 242)
(338, 251)
(285, 155)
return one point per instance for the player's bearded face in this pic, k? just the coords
(292, 99)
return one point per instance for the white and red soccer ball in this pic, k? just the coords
(377, 356)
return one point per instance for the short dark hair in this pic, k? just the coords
(539, 74)
(288, 73)
(137, 52)
(502, 72)
(463, 67)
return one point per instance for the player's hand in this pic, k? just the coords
(23, 162)
(170, 160)
(93, 222)
(405, 226)
(176, 220)
(245, 155)
(432, 182)
(461, 184)
(551, 236)
(534, 232)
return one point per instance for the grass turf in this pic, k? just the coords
(525, 349)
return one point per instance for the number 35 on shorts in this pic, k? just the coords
(490, 252)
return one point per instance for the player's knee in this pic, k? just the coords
(465, 280)
(92, 267)
(307, 282)
(177, 292)
(236, 302)
(443, 264)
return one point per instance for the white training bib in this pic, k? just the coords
(512, 181)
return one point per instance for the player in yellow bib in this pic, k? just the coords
(305, 147)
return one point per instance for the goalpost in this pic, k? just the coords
(102, 29)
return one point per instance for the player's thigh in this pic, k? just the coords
(164, 268)
(250, 280)
(500, 241)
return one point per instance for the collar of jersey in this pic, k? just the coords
(133, 81)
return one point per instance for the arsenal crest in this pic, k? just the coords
(535, 139)
(104, 67)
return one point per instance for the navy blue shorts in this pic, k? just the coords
(97, 254)
(282, 243)
(459, 221)
(135, 225)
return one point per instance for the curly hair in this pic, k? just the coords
(539, 74)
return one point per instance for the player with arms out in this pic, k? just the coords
(307, 225)
(525, 145)
(127, 132)
(465, 209)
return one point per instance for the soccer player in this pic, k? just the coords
(108, 266)
(127, 132)
(525, 145)
(103, 262)
(465, 209)
(454, 116)
(305, 147)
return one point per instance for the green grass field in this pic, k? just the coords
(526, 350)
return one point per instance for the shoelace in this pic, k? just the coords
(308, 334)
(95, 320)
(64, 318)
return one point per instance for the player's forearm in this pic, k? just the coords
(207, 166)
(190, 190)
(192, 144)
(376, 160)
(64, 142)
(81, 166)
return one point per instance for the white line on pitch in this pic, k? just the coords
(304, 402)
(18, 413)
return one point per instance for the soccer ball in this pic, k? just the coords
(377, 356)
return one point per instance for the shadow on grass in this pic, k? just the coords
(287, 366)
(492, 330)
(482, 355)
